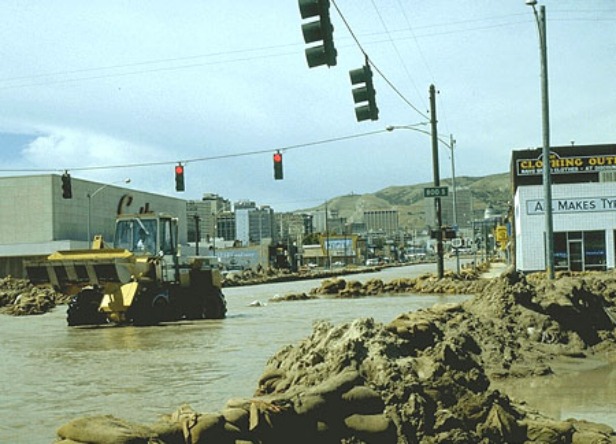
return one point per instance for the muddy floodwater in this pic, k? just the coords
(50, 374)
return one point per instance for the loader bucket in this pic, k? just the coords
(69, 271)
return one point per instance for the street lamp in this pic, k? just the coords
(91, 195)
(450, 145)
(547, 180)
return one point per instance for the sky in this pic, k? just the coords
(112, 89)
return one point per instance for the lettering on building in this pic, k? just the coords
(573, 205)
(567, 164)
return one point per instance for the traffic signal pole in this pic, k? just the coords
(437, 183)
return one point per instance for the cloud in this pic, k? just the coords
(63, 148)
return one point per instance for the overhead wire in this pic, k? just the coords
(393, 44)
(376, 68)
(51, 77)
(199, 159)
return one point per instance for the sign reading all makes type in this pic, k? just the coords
(574, 205)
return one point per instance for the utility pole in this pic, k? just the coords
(197, 233)
(452, 142)
(437, 183)
(547, 179)
(545, 121)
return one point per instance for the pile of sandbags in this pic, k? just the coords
(19, 297)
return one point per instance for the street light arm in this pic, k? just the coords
(419, 130)
(91, 195)
(98, 190)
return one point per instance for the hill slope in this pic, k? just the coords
(491, 190)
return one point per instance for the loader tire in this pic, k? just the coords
(215, 306)
(83, 309)
(142, 312)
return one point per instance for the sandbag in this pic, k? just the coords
(210, 428)
(377, 429)
(105, 429)
(501, 425)
(236, 416)
(548, 432)
(363, 400)
(338, 384)
(309, 404)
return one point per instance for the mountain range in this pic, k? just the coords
(493, 190)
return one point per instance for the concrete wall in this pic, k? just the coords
(26, 209)
(36, 220)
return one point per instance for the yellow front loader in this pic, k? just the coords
(142, 280)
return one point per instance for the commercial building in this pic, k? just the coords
(385, 221)
(583, 206)
(36, 220)
(253, 224)
(464, 214)
(204, 214)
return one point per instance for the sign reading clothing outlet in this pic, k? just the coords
(574, 205)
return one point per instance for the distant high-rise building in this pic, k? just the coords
(207, 209)
(464, 209)
(253, 224)
(292, 226)
(385, 221)
(225, 226)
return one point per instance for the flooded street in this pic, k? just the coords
(52, 374)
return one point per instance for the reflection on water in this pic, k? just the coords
(52, 374)
(589, 394)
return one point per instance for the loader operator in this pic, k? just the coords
(145, 241)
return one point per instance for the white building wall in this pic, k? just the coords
(242, 225)
(576, 207)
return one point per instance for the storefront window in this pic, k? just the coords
(594, 250)
(561, 256)
(579, 250)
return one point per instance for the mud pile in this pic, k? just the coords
(269, 275)
(466, 282)
(463, 283)
(422, 378)
(18, 297)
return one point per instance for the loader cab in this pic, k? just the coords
(147, 235)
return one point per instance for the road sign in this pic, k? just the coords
(501, 234)
(436, 191)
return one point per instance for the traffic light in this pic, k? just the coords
(365, 93)
(321, 29)
(278, 165)
(67, 191)
(179, 177)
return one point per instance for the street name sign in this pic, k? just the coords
(436, 191)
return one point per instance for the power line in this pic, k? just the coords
(391, 85)
(280, 51)
(400, 59)
(198, 159)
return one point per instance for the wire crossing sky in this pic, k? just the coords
(115, 88)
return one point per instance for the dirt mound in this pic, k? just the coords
(423, 378)
(467, 282)
(522, 323)
(19, 297)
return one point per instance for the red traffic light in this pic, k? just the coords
(179, 177)
(278, 165)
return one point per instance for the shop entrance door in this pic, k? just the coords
(576, 255)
